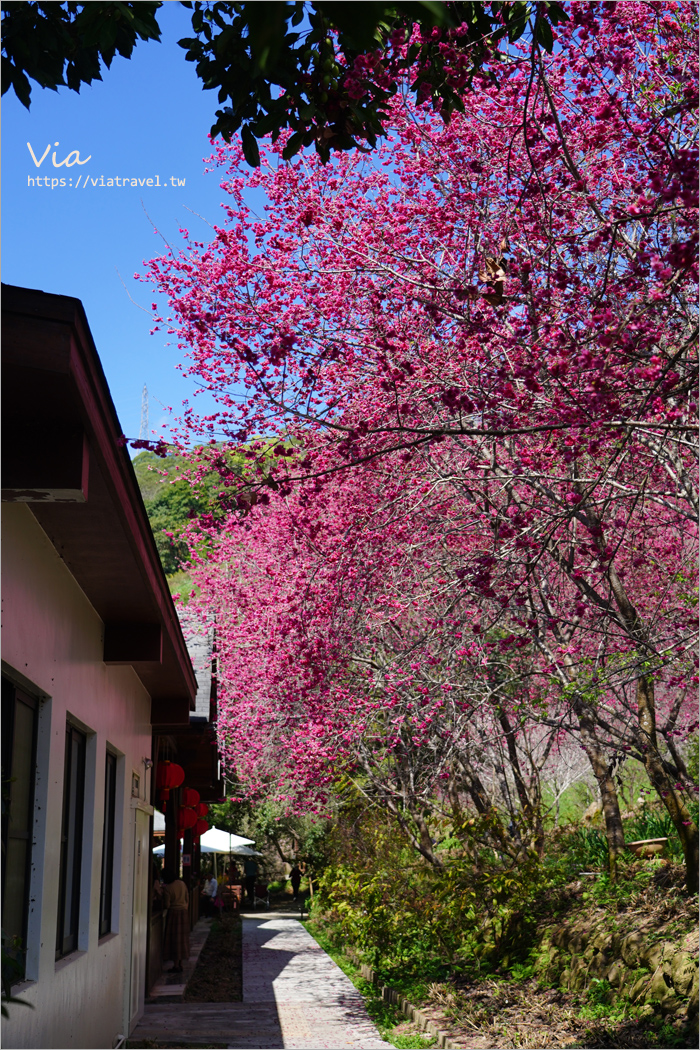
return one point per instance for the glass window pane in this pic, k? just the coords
(22, 769)
(16, 871)
(71, 846)
(19, 714)
(108, 845)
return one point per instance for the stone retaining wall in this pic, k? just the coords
(660, 975)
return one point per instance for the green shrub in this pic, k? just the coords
(522, 971)
(599, 991)
(587, 849)
(408, 918)
(655, 824)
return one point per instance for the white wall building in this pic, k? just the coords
(93, 661)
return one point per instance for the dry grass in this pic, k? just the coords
(501, 1013)
(218, 976)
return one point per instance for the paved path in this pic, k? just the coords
(317, 1006)
(294, 998)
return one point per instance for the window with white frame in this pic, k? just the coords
(71, 842)
(19, 733)
(107, 881)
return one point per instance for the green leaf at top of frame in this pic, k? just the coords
(294, 144)
(250, 147)
(544, 35)
(556, 13)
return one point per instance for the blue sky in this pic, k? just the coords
(148, 117)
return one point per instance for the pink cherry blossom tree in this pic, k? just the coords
(499, 311)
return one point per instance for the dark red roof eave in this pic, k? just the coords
(49, 353)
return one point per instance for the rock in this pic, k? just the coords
(672, 1006)
(561, 937)
(690, 943)
(654, 955)
(646, 1011)
(599, 966)
(683, 972)
(578, 980)
(660, 987)
(593, 811)
(631, 948)
(694, 995)
(601, 940)
(617, 973)
(578, 941)
(650, 955)
(545, 961)
(639, 988)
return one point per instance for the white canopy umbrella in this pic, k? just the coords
(245, 851)
(216, 841)
(159, 851)
(223, 841)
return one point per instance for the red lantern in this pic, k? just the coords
(170, 776)
(186, 818)
(200, 827)
(189, 797)
(202, 809)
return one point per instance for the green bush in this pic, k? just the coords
(408, 918)
(522, 971)
(655, 824)
(587, 849)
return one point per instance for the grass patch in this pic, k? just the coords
(409, 1041)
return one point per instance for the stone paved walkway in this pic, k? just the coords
(318, 1007)
(294, 998)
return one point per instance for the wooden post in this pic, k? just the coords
(196, 874)
(171, 860)
(187, 846)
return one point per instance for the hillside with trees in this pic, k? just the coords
(180, 499)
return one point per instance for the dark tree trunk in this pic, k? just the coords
(663, 784)
(603, 772)
(529, 800)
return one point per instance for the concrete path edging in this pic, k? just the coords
(413, 1013)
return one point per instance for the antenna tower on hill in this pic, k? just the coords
(143, 431)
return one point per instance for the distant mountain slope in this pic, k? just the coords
(172, 503)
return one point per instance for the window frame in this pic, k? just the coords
(12, 695)
(72, 825)
(108, 845)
